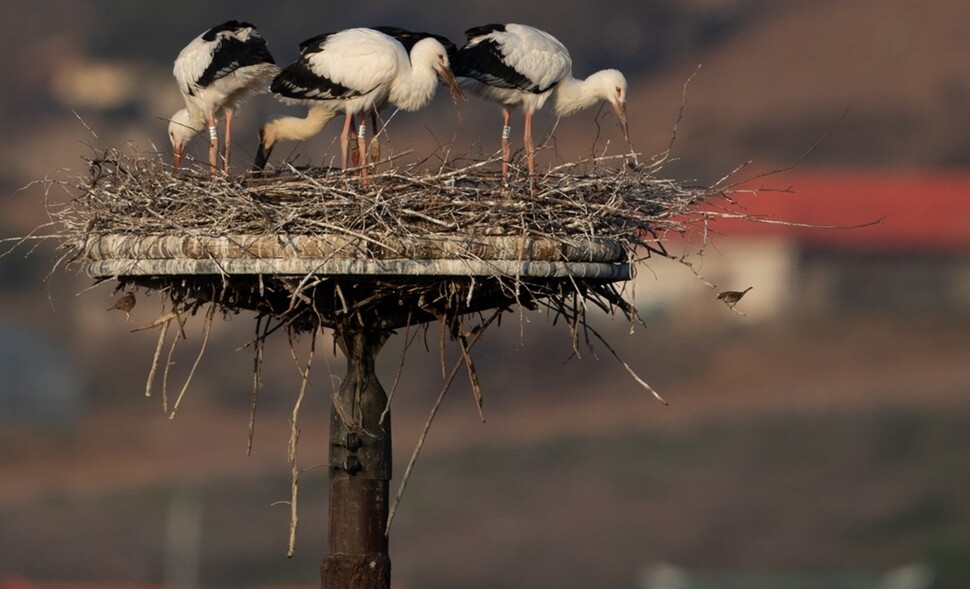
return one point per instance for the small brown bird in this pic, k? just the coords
(125, 303)
(731, 297)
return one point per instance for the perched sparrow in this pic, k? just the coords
(731, 297)
(125, 303)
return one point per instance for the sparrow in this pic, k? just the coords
(125, 303)
(731, 297)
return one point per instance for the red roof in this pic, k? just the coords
(920, 209)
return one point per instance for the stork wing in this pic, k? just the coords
(536, 54)
(483, 61)
(231, 54)
(409, 38)
(339, 66)
(513, 56)
(299, 82)
(217, 53)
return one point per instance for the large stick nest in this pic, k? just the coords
(606, 204)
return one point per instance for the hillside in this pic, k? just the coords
(900, 71)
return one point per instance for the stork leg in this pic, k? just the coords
(355, 155)
(345, 141)
(213, 146)
(362, 146)
(375, 143)
(506, 148)
(530, 149)
(228, 140)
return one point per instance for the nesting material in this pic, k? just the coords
(316, 247)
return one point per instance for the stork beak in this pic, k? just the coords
(177, 152)
(262, 156)
(448, 78)
(619, 109)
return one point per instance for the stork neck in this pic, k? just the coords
(197, 120)
(299, 129)
(414, 87)
(573, 95)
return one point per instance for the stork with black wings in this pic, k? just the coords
(354, 72)
(407, 39)
(518, 66)
(216, 72)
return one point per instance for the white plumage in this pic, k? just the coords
(355, 72)
(518, 66)
(216, 72)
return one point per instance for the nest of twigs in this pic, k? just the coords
(605, 211)
(308, 249)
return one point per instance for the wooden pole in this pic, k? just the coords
(360, 470)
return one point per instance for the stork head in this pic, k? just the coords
(267, 140)
(432, 52)
(181, 128)
(289, 129)
(611, 85)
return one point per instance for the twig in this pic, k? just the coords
(257, 379)
(472, 374)
(294, 440)
(158, 353)
(427, 424)
(408, 341)
(205, 341)
(800, 158)
(626, 366)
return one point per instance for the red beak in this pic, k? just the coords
(619, 109)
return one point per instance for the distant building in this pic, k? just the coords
(915, 259)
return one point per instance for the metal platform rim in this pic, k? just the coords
(451, 268)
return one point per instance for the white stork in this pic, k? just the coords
(216, 72)
(353, 72)
(520, 66)
(408, 39)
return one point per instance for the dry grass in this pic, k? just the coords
(602, 198)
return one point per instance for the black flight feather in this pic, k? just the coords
(483, 30)
(229, 25)
(232, 54)
(299, 82)
(483, 61)
(409, 38)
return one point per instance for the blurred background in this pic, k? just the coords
(819, 437)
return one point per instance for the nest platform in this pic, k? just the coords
(315, 248)
(324, 279)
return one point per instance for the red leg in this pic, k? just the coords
(506, 148)
(213, 146)
(228, 140)
(530, 149)
(375, 142)
(362, 146)
(345, 141)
